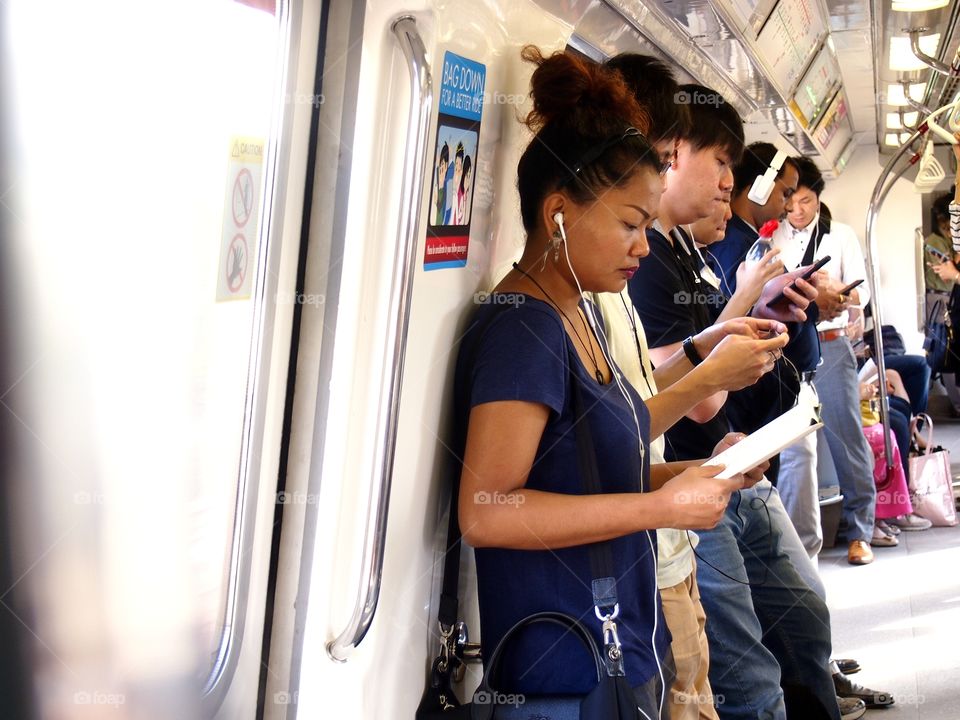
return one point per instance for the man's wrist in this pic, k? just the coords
(691, 351)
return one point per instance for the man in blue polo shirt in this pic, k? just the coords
(759, 160)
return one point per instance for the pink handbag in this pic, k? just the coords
(893, 496)
(931, 490)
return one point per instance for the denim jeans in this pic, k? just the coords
(652, 702)
(915, 374)
(773, 632)
(790, 541)
(850, 454)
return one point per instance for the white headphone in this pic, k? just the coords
(763, 185)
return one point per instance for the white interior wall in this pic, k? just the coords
(848, 198)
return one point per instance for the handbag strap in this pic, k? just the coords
(604, 583)
(570, 624)
(449, 590)
(928, 421)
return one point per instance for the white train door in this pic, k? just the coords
(153, 204)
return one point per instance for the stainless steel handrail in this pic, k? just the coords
(873, 272)
(918, 106)
(932, 62)
(408, 231)
(880, 193)
(227, 655)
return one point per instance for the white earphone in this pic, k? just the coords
(763, 186)
(619, 381)
(558, 219)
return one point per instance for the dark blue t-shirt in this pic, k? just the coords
(673, 302)
(725, 256)
(525, 354)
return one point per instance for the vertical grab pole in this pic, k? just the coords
(873, 276)
(375, 533)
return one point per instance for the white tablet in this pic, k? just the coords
(780, 433)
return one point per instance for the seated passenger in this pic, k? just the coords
(894, 509)
(588, 184)
(893, 492)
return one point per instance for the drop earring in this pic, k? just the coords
(555, 243)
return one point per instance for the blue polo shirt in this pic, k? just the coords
(725, 256)
(523, 353)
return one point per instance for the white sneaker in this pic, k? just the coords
(911, 521)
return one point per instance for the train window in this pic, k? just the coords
(146, 138)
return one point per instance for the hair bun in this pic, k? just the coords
(569, 90)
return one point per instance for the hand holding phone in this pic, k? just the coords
(936, 253)
(781, 296)
(851, 286)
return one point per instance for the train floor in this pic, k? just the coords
(900, 616)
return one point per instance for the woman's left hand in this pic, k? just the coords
(750, 477)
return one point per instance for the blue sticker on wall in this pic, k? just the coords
(461, 87)
(462, 83)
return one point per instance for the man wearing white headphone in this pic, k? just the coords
(764, 181)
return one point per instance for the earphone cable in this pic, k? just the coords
(613, 371)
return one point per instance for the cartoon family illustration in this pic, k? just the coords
(452, 187)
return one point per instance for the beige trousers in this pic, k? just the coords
(690, 695)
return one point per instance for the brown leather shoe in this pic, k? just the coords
(859, 553)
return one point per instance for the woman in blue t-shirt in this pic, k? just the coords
(589, 185)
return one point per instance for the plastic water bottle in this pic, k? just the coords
(763, 245)
(756, 252)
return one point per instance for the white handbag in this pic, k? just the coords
(931, 488)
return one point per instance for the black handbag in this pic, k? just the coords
(606, 701)
(892, 341)
(611, 699)
(939, 342)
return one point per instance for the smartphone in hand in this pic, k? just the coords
(781, 296)
(851, 286)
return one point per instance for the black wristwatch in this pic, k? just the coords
(690, 350)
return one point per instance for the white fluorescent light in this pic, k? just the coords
(895, 94)
(902, 57)
(891, 139)
(918, 5)
(893, 120)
